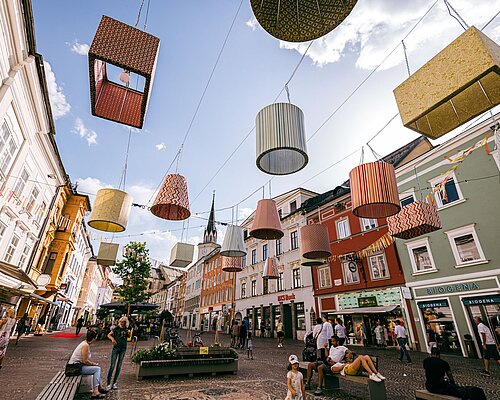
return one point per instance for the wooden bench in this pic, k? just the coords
(426, 395)
(61, 387)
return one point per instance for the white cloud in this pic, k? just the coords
(79, 48)
(252, 23)
(90, 186)
(60, 106)
(88, 134)
(244, 213)
(160, 146)
(375, 27)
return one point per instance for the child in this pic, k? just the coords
(295, 380)
(250, 345)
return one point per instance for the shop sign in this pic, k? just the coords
(337, 282)
(481, 300)
(433, 304)
(286, 297)
(459, 287)
(370, 301)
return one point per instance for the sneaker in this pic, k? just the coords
(103, 390)
(109, 387)
(318, 392)
(485, 373)
(342, 372)
(308, 386)
(380, 376)
(409, 362)
(115, 386)
(375, 378)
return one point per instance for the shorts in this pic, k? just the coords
(491, 352)
(327, 368)
(351, 370)
(281, 334)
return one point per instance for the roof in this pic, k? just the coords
(397, 156)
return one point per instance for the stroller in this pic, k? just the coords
(309, 352)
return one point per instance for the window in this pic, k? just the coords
(281, 282)
(407, 200)
(278, 247)
(448, 194)
(8, 148)
(3, 227)
(296, 278)
(420, 255)
(264, 252)
(343, 229)
(350, 272)
(280, 213)
(254, 256)
(21, 184)
(378, 266)
(11, 249)
(293, 207)
(24, 257)
(324, 278)
(32, 199)
(254, 288)
(300, 315)
(368, 224)
(465, 245)
(265, 286)
(294, 240)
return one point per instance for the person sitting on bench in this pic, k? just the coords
(355, 365)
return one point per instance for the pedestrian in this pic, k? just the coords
(250, 346)
(262, 329)
(431, 338)
(488, 344)
(439, 380)
(323, 340)
(280, 332)
(355, 365)
(317, 329)
(22, 326)
(400, 333)
(243, 335)
(295, 380)
(81, 355)
(235, 333)
(79, 325)
(339, 331)
(7, 325)
(379, 334)
(118, 336)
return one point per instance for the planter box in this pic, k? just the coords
(189, 367)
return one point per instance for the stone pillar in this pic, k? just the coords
(261, 314)
(253, 320)
(271, 316)
(294, 327)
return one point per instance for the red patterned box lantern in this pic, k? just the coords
(414, 219)
(132, 50)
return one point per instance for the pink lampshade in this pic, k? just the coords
(266, 222)
(270, 269)
(172, 201)
(314, 242)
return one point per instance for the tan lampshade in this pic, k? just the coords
(233, 244)
(281, 139)
(300, 21)
(460, 83)
(314, 242)
(270, 269)
(181, 255)
(111, 210)
(306, 262)
(374, 191)
(233, 264)
(172, 201)
(107, 253)
(266, 222)
(415, 219)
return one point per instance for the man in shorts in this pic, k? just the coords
(489, 346)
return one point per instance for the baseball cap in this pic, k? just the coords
(293, 359)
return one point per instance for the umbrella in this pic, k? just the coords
(123, 306)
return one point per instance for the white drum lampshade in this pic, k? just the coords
(181, 255)
(233, 244)
(107, 253)
(111, 210)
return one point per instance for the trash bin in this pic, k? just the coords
(469, 346)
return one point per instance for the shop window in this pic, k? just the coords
(324, 278)
(278, 247)
(378, 266)
(368, 224)
(254, 256)
(9, 254)
(350, 272)
(280, 213)
(465, 245)
(8, 148)
(300, 315)
(254, 288)
(281, 282)
(420, 255)
(264, 252)
(448, 194)
(343, 228)
(294, 240)
(296, 278)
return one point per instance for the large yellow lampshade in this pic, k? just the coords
(111, 210)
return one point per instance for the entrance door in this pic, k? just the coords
(287, 320)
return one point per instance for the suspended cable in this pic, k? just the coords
(456, 15)
(490, 21)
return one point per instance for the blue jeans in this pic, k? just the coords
(402, 350)
(117, 356)
(92, 370)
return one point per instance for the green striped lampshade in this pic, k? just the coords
(281, 139)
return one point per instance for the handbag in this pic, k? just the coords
(73, 369)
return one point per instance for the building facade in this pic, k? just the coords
(194, 276)
(92, 281)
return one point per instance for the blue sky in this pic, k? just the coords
(252, 70)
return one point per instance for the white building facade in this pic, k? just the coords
(190, 316)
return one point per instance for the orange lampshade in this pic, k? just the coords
(266, 223)
(314, 242)
(270, 269)
(172, 201)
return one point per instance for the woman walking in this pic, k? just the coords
(280, 332)
(118, 337)
(6, 328)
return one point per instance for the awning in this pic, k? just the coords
(366, 310)
(37, 297)
(16, 273)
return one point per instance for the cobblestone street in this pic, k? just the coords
(37, 359)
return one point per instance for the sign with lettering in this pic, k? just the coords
(203, 350)
(481, 300)
(458, 287)
(433, 304)
(370, 301)
(286, 297)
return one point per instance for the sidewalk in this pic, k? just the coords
(29, 366)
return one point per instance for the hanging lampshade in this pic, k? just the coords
(281, 139)
(111, 210)
(107, 253)
(374, 191)
(172, 201)
(306, 262)
(266, 222)
(232, 264)
(270, 269)
(314, 241)
(181, 255)
(233, 244)
(300, 21)
(415, 219)
(458, 84)
(132, 50)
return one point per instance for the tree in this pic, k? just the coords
(134, 270)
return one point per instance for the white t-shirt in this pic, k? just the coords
(340, 331)
(296, 384)
(76, 357)
(337, 353)
(323, 338)
(482, 328)
(400, 332)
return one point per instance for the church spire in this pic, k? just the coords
(210, 235)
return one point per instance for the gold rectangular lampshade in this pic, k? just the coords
(107, 253)
(460, 83)
(181, 255)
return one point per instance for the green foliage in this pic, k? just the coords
(134, 270)
(166, 316)
(160, 352)
(102, 313)
(164, 352)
